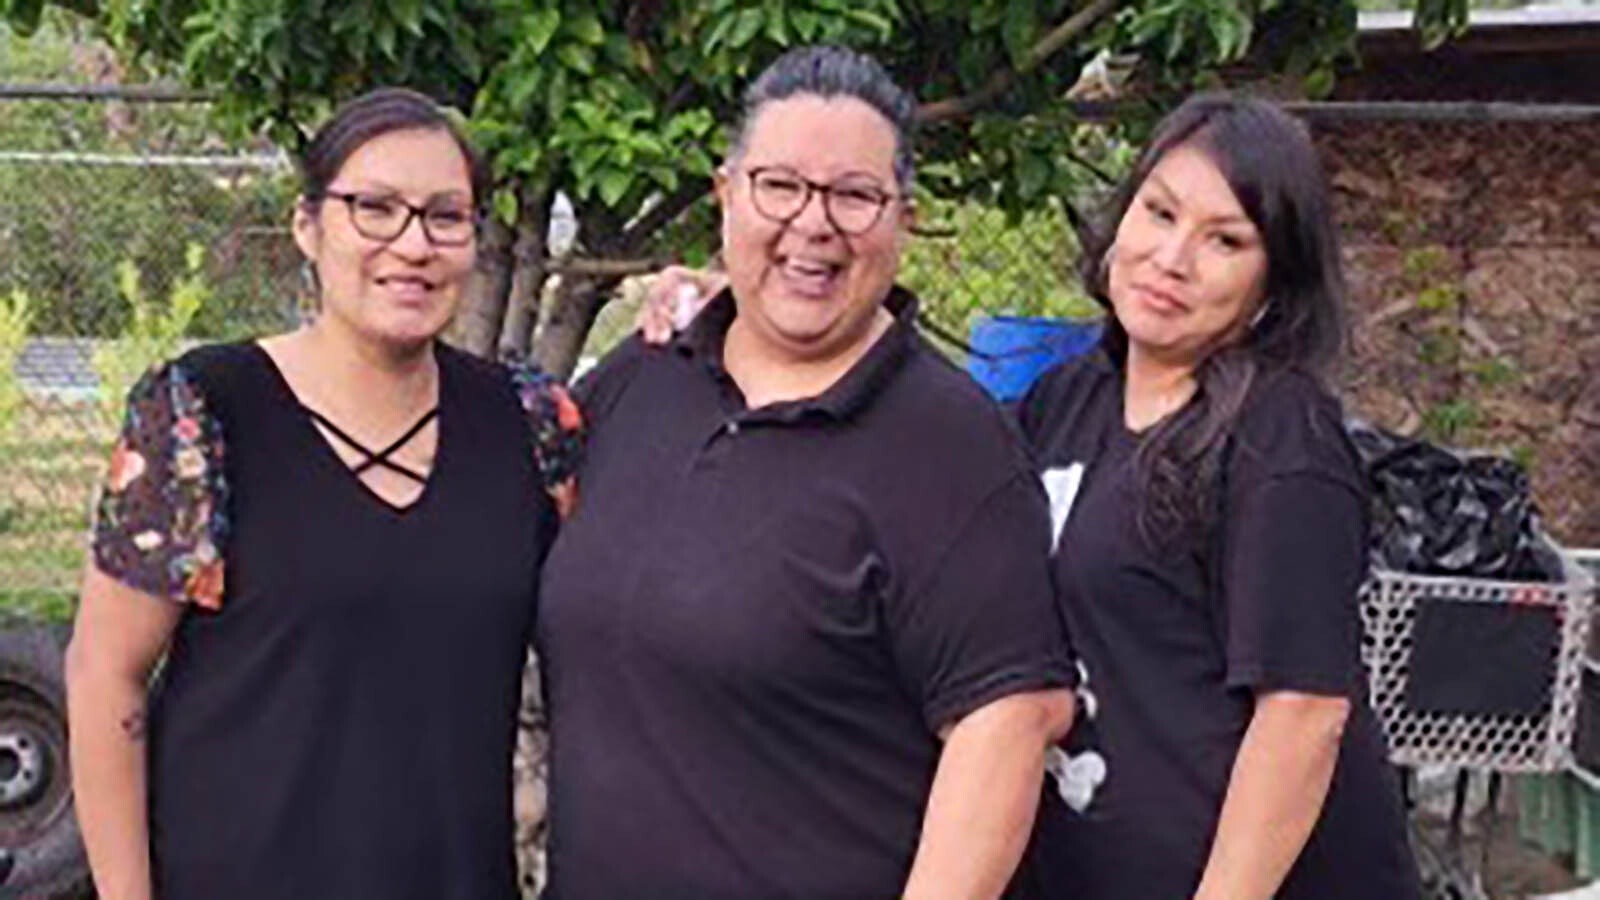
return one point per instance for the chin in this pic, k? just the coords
(411, 332)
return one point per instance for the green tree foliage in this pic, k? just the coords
(616, 103)
(155, 329)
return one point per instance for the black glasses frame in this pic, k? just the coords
(420, 213)
(813, 187)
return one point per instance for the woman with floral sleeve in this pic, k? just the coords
(330, 541)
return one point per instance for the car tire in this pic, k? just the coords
(37, 823)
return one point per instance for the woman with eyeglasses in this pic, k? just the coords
(799, 640)
(327, 542)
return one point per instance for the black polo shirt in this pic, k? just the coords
(759, 618)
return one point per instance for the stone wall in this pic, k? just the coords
(1473, 252)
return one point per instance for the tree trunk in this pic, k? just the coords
(483, 309)
(530, 272)
(579, 298)
(572, 312)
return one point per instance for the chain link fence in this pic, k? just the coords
(124, 231)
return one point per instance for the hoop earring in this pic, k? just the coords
(1261, 313)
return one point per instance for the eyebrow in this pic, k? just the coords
(389, 190)
(1172, 195)
(857, 174)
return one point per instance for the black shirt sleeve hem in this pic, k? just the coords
(1258, 678)
(954, 705)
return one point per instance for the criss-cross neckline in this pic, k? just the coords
(378, 458)
(328, 432)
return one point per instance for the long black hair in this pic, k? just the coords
(1268, 160)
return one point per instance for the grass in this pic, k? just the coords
(52, 459)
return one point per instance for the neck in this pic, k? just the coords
(1154, 388)
(768, 373)
(352, 365)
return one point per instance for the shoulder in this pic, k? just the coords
(598, 391)
(946, 398)
(1063, 398)
(1292, 424)
(952, 432)
(201, 377)
(476, 372)
(535, 391)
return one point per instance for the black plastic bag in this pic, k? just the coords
(1438, 512)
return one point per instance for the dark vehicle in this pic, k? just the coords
(41, 855)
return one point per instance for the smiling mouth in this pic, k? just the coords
(407, 284)
(1162, 300)
(809, 276)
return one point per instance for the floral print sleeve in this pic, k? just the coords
(161, 523)
(557, 432)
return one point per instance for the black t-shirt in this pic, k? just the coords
(340, 721)
(1175, 643)
(758, 619)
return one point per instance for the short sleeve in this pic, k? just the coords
(599, 390)
(161, 522)
(557, 428)
(983, 624)
(1294, 548)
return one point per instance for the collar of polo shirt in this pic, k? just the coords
(703, 341)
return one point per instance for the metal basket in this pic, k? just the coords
(1502, 743)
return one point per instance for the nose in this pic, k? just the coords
(812, 219)
(1175, 253)
(412, 241)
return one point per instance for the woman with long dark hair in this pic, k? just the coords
(1210, 533)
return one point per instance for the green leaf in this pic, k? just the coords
(777, 28)
(1019, 28)
(872, 20)
(385, 34)
(505, 206)
(409, 14)
(587, 28)
(806, 24)
(578, 58)
(1032, 173)
(539, 28)
(1177, 38)
(24, 15)
(613, 184)
(556, 96)
(745, 27)
(1318, 83)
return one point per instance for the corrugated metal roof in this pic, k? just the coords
(58, 366)
(1540, 16)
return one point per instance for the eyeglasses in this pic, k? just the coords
(851, 205)
(384, 217)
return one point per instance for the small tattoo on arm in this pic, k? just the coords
(133, 725)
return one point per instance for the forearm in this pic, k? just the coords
(1275, 795)
(984, 797)
(106, 721)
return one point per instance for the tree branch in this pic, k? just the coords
(1095, 170)
(1001, 81)
(589, 267)
(658, 216)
